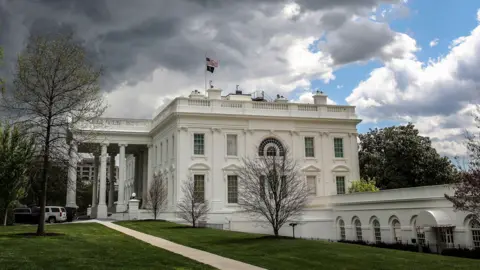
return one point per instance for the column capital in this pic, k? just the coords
(150, 145)
(104, 143)
(123, 144)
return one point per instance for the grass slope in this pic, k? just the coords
(297, 253)
(84, 246)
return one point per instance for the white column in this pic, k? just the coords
(102, 206)
(144, 186)
(95, 179)
(111, 188)
(121, 179)
(72, 178)
(150, 166)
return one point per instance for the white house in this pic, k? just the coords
(204, 137)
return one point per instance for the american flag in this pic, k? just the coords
(212, 63)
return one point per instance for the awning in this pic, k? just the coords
(434, 218)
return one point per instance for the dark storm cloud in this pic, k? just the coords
(132, 38)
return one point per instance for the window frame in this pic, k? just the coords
(204, 185)
(315, 191)
(358, 229)
(341, 226)
(204, 143)
(305, 146)
(236, 144)
(335, 148)
(344, 184)
(377, 231)
(228, 189)
(474, 226)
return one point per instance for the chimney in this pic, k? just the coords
(319, 98)
(195, 94)
(281, 99)
(214, 93)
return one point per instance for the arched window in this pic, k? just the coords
(475, 227)
(376, 231)
(419, 233)
(358, 229)
(396, 229)
(341, 225)
(271, 151)
(271, 147)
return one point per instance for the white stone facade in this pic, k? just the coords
(206, 137)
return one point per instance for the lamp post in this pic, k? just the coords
(293, 227)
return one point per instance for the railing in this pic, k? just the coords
(232, 107)
(270, 106)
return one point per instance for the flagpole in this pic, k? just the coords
(205, 68)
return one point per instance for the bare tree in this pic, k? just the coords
(271, 188)
(157, 195)
(467, 185)
(193, 207)
(56, 88)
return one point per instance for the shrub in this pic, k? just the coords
(462, 252)
(397, 246)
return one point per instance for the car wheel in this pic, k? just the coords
(51, 220)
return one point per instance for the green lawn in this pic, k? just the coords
(84, 246)
(296, 253)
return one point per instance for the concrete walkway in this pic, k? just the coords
(194, 254)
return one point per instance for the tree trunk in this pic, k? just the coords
(43, 186)
(275, 232)
(5, 216)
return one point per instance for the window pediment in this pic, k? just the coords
(311, 168)
(341, 168)
(199, 167)
(231, 167)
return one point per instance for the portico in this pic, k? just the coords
(133, 177)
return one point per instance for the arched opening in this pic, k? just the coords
(377, 234)
(271, 147)
(475, 229)
(397, 232)
(418, 232)
(341, 225)
(358, 229)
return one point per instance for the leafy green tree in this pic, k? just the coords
(397, 157)
(363, 185)
(16, 156)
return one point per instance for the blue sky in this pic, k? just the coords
(427, 20)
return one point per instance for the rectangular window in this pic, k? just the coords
(309, 148)
(338, 147)
(231, 144)
(199, 188)
(166, 145)
(232, 189)
(340, 184)
(199, 144)
(312, 184)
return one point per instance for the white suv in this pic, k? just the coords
(55, 214)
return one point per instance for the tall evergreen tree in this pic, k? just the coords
(399, 157)
(16, 156)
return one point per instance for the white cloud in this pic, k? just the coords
(436, 96)
(434, 42)
(478, 15)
